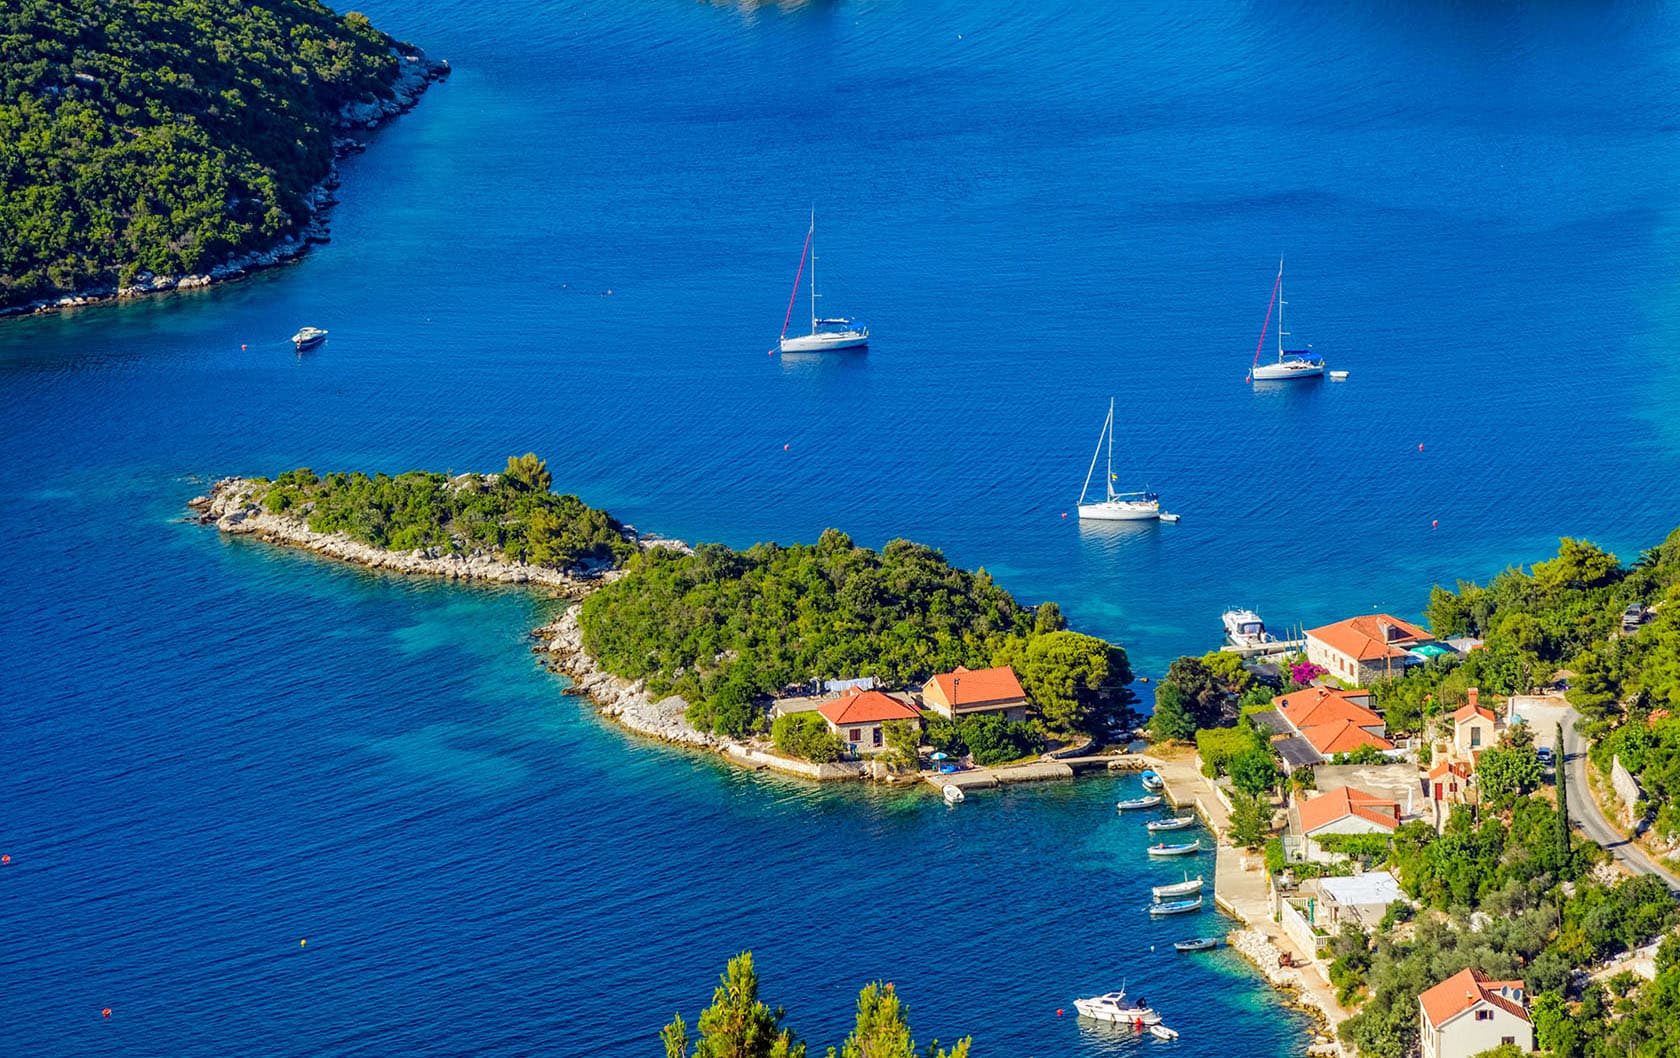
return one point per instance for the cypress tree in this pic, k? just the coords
(1562, 798)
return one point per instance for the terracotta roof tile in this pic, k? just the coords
(1466, 711)
(1464, 990)
(1343, 736)
(866, 707)
(1321, 705)
(1344, 801)
(966, 688)
(1361, 638)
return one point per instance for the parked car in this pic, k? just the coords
(1545, 755)
(1633, 617)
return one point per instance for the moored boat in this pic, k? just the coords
(1152, 782)
(827, 335)
(309, 337)
(1175, 823)
(1188, 887)
(952, 794)
(1196, 944)
(1243, 628)
(1115, 506)
(1152, 801)
(1176, 907)
(1161, 1032)
(1163, 849)
(1113, 1006)
(1291, 363)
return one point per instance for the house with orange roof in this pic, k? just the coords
(1331, 721)
(1342, 810)
(859, 718)
(1367, 648)
(968, 691)
(1449, 784)
(1469, 1013)
(1474, 727)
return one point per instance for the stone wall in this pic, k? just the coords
(1626, 787)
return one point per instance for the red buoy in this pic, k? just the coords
(105, 1013)
(242, 345)
(1433, 522)
(784, 448)
(1064, 514)
(5, 859)
(1420, 448)
(1058, 1012)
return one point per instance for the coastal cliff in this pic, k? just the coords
(183, 145)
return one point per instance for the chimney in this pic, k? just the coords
(1387, 631)
(1473, 693)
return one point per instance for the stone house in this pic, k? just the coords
(1469, 1013)
(968, 691)
(1366, 649)
(859, 718)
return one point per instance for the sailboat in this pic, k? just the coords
(826, 334)
(1117, 506)
(1291, 363)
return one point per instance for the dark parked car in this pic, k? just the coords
(1545, 755)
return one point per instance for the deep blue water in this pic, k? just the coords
(213, 749)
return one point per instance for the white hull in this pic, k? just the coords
(1121, 511)
(1177, 890)
(1288, 369)
(952, 794)
(826, 343)
(1103, 1009)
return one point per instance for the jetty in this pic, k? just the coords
(1266, 650)
(984, 778)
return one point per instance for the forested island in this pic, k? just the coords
(145, 146)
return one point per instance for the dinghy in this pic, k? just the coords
(1163, 849)
(1177, 823)
(1196, 944)
(1161, 1032)
(1151, 801)
(1188, 887)
(1176, 907)
(1152, 782)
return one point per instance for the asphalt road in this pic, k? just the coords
(1584, 813)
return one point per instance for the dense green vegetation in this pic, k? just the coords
(989, 737)
(726, 629)
(164, 135)
(807, 736)
(513, 514)
(739, 1025)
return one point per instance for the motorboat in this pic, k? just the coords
(1115, 506)
(1161, 1032)
(309, 338)
(1186, 849)
(1176, 823)
(953, 794)
(1175, 907)
(1152, 801)
(1196, 944)
(1291, 363)
(1188, 887)
(1113, 1006)
(827, 335)
(1152, 782)
(1243, 628)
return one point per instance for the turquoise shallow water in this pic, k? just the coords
(214, 749)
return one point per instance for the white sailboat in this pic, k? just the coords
(1291, 363)
(827, 335)
(1116, 506)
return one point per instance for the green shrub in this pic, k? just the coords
(807, 736)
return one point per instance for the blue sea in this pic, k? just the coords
(581, 245)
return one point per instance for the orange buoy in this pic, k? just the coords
(5, 859)
(1143, 679)
(105, 1013)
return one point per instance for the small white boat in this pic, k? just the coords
(1165, 517)
(1186, 849)
(1243, 628)
(1175, 907)
(309, 337)
(952, 794)
(1152, 782)
(1113, 1006)
(827, 335)
(1179, 823)
(1338, 376)
(1161, 1032)
(1188, 887)
(1151, 801)
(1115, 506)
(1291, 363)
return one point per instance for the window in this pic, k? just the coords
(1475, 736)
(1484, 1015)
(854, 735)
(879, 738)
(1508, 1040)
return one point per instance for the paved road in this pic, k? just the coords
(1584, 813)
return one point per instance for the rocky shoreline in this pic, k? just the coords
(417, 72)
(1255, 946)
(230, 507)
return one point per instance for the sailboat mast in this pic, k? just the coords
(1110, 480)
(1281, 304)
(813, 271)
